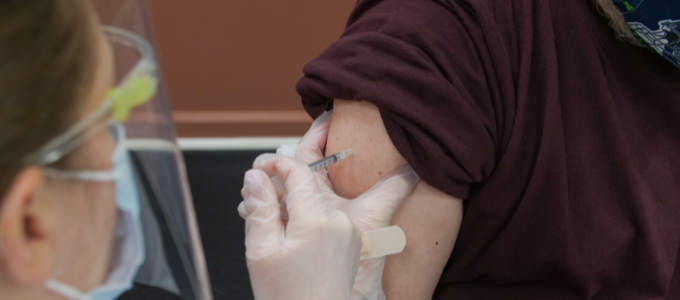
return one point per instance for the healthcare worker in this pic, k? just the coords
(93, 199)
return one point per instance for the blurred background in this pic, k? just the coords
(231, 69)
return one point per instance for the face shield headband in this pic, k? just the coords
(656, 24)
(137, 88)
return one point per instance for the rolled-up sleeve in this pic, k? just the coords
(425, 65)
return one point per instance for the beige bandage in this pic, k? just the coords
(382, 242)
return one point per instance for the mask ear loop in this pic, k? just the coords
(64, 290)
(59, 266)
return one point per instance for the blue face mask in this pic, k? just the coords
(656, 24)
(129, 243)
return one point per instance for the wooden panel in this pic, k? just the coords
(231, 66)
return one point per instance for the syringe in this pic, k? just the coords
(329, 160)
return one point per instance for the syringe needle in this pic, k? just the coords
(329, 160)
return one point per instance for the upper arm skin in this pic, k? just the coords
(430, 219)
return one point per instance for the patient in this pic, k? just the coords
(552, 126)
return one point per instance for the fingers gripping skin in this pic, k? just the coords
(374, 209)
(314, 256)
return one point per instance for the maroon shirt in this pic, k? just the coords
(564, 141)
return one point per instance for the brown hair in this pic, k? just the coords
(617, 21)
(47, 61)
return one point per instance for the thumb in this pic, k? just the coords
(261, 209)
(310, 148)
(304, 201)
(374, 208)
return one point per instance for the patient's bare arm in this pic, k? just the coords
(429, 218)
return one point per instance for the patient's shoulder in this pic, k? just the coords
(358, 125)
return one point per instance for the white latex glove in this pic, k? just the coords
(314, 255)
(370, 211)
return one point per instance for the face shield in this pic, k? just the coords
(174, 259)
(172, 265)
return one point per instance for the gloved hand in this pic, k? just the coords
(370, 211)
(315, 254)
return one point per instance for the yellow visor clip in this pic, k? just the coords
(135, 92)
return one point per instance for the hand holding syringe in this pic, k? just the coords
(315, 166)
(371, 213)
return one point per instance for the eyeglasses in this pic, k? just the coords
(135, 89)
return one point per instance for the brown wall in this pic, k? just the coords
(231, 65)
